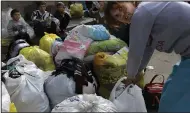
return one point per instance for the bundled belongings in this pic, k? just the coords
(56, 46)
(110, 68)
(78, 41)
(127, 99)
(24, 82)
(152, 93)
(46, 42)
(85, 103)
(95, 32)
(6, 101)
(74, 77)
(76, 10)
(111, 45)
(15, 47)
(42, 59)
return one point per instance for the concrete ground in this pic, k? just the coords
(162, 63)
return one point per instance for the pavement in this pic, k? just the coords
(162, 63)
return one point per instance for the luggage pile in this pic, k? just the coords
(69, 75)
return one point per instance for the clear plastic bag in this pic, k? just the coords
(85, 103)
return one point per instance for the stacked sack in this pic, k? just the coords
(41, 58)
(78, 41)
(24, 83)
(74, 77)
(85, 103)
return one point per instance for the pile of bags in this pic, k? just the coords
(58, 77)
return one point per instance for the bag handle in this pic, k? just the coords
(116, 85)
(155, 78)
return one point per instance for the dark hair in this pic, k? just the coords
(39, 3)
(14, 11)
(112, 23)
(60, 4)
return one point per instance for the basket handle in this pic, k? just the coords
(155, 78)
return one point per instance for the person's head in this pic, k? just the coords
(42, 6)
(102, 4)
(60, 7)
(117, 13)
(15, 14)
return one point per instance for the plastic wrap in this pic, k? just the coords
(42, 59)
(110, 68)
(6, 101)
(112, 45)
(76, 10)
(46, 42)
(24, 82)
(127, 99)
(5, 17)
(85, 103)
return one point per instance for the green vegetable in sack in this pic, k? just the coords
(46, 42)
(76, 10)
(111, 45)
(42, 59)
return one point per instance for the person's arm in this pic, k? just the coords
(140, 29)
(10, 30)
(34, 16)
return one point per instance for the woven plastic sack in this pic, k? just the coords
(112, 45)
(42, 59)
(85, 103)
(76, 10)
(46, 42)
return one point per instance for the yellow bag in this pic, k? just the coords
(12, 108)
(110, 68)
(42, 59)
(76, 10)
(46, 42)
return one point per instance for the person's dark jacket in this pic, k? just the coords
(122, 32)
(64, 19)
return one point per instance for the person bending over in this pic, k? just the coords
(164, 26)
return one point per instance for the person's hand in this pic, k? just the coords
(134, 80)
(129, 81)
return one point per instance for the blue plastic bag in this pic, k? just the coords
(98, 32)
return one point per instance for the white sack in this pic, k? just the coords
(5, 99)
(85, 103)
(26, 91)
(59, 88)
(127, 99)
